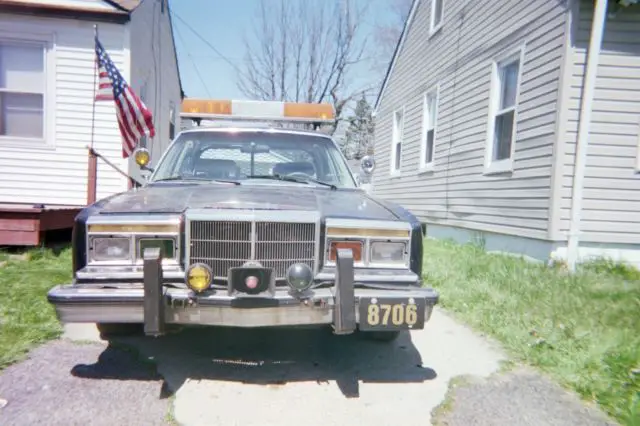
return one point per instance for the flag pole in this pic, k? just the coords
(93, 159)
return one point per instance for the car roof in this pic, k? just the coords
(256, 129)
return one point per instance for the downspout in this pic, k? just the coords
(593, 56)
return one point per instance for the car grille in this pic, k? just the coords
(224, 244)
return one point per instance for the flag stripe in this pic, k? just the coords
(134, 118)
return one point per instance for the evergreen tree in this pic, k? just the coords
(359, 135)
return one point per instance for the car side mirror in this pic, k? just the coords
(367, 164)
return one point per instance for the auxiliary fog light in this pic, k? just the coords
(199, 277)
(299, 277)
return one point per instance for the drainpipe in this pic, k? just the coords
(593, 55)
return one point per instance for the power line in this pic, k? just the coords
(204, 84)
(211, 46)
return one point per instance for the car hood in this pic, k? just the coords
(165, 198)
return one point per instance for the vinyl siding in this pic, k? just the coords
(56, 172)
(154, 66)
(611, 197)
(459, 58)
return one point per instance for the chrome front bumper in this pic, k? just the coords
(156, 305)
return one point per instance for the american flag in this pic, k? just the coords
(134, 118)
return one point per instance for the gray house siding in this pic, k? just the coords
(611, 198)
(457, 192)
(154, 69)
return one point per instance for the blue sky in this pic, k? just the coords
(223, 23)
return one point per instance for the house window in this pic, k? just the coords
(437, 7)
(172, 120)
(22, 90)
(503, 114)
(430, 114)
(396, 148)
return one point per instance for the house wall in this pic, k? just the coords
(54, 171)
(154, 72)
(611, 197)
(457, 192)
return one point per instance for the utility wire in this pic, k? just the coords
(211, 46)
(204, 84)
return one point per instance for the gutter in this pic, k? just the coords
(593, 56)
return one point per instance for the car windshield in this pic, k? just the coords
(248, 155)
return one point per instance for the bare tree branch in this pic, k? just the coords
(306, 50)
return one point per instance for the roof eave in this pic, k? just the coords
(396, 52)
(60, 11)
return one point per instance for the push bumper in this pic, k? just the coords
(342, 305)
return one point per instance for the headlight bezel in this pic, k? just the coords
(134, 229)
(369, 232)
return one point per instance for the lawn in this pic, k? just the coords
(581, 329)
(26, 318)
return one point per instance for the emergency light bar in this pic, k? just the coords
(208, 109)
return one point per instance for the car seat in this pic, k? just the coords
(212, 168)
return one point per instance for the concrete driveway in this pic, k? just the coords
(278, 377)
(292, 377)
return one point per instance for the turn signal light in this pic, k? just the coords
(355, 246)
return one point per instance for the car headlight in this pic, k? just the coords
(106, 249)
(166, 245)
(354, 245)
(387, 253)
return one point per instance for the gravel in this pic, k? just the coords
(521, 397)
(67, 383)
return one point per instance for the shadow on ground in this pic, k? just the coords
(267, 357)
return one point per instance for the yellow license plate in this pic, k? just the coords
(391, 313)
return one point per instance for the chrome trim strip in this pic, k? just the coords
(367, 223)
(246, 215)
(137, 219)
(169, 272)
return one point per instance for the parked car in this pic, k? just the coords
(250, 227)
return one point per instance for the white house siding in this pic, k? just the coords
(459, 57)
(155, 71)
(611, 198)
(56, 172)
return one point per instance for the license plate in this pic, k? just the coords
(391, 313)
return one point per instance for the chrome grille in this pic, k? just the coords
(224, 244)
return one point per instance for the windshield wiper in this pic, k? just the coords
(180, 177)
(292, 179)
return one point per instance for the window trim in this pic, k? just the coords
(433, 27)
(423, 166)
(46, 41)
(392, 170)
(505, 165)
(637, 170)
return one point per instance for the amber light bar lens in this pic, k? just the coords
(355, 246)
(113, 228)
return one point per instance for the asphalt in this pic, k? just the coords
(66, 383)
(281, 377)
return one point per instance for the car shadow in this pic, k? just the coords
(271, 356)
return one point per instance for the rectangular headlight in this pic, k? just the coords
(105, 249)
(166, 245)
(383, 252)
(355, 246)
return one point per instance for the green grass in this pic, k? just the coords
(582, 329)
(26, 317)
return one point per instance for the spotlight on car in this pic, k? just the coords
(299, 277)
(199, 277)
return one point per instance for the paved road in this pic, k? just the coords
(271, 377)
